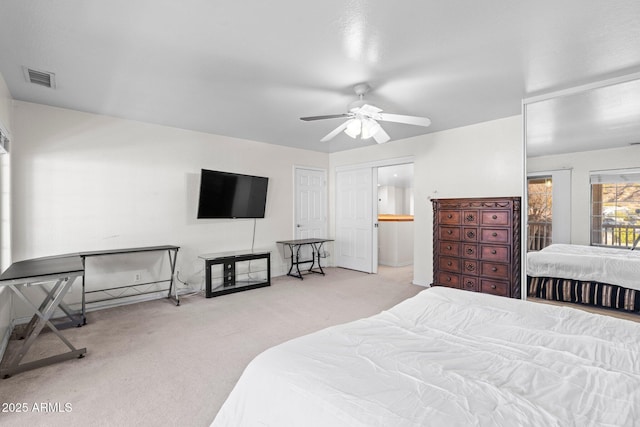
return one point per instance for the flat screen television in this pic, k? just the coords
(231, 195)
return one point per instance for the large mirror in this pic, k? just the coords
(583, 166)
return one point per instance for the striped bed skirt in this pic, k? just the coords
(589, 293)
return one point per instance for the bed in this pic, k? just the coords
(448, 357)
(605, 277)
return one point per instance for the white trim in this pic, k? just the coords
(524, 209)
(377, 163)
(582, 88)
(5, 339)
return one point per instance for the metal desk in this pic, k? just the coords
(62, 271)
(316, 251)
(172, 253)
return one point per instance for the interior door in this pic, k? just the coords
(311, 205)
(354, 219)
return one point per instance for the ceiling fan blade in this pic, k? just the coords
(330, 116)
(409, 120)
(336, 131)
(368, 110)
(381, 136)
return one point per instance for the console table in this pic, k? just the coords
(172, 253)
(316, 248)
(62, 271)
(230, 272)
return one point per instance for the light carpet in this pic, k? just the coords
(155, 364)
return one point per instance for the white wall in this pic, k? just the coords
(394, 200)
(581, 164)
(86, 182)
(5, 235)
(482, 160)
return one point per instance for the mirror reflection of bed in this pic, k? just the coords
(583, 196)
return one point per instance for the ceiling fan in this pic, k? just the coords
(363, 119)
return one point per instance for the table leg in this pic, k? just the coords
(41, 319)
(172, 263)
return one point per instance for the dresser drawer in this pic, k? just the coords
(470, 283)
(494, 269)
(449, 233)
(494, 287)
(450, 280)
(449, 217)
(449, 264)
(469, 266)
(470, 234)
(495, 217)
(494, 235)
(449, 248)
(494, 253)
(470, 217)
(469, 250)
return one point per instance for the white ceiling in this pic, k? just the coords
(251, 68)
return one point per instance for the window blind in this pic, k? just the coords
(618, 176)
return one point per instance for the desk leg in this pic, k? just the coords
(32, 323)
(318, 250)
(41, 319)
(313, 257)
(299, 276)
(295, 261)
(84, 298)
(172, 262)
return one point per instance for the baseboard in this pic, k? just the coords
(421, 283)
(6, 337)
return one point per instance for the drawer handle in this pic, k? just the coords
(494, 234)
(495, 217)
(449, 263)
(470, 251)
(493, 252)
(448, 247)
(493, 286)
(470, 267)
(449, 231)
(494, 269)
(449, 216)
(469, 284)
(448, 279)
(471, 234)
(470, 217)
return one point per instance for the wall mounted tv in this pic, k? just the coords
(231, 195)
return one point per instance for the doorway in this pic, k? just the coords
(395, 210)
(356, 214)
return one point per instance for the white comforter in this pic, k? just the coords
(588, 263)
(448, 358)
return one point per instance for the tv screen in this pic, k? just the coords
(231, 195)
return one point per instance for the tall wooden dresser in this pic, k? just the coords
(476, 244)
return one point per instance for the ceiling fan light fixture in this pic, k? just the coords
(369, 128)
(354, 128)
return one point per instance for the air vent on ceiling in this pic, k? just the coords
(38, 77)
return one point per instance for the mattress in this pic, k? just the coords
(587, 263)
(448, 357)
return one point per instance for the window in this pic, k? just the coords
(540, 212)
(615, 207)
